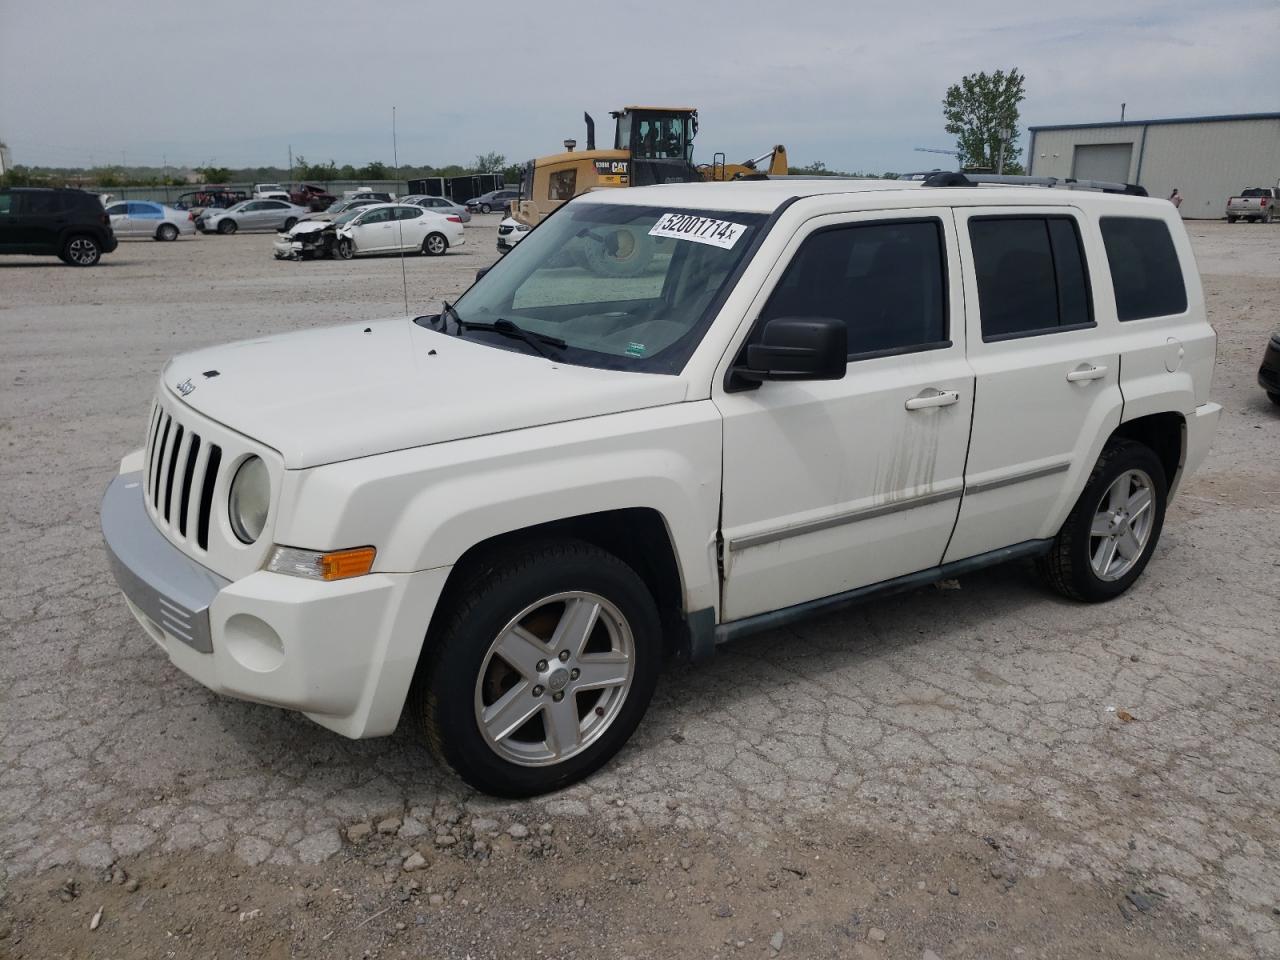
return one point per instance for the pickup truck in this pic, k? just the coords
(1254, 204)
(311, 196)
(748, 403)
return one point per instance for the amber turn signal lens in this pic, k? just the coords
(346, 563)
(333, 565)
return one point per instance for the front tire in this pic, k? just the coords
(290, 223)
(541, 668)
(435, 245)
(81, 251)
(1274, 398)
(1111, 532)
(345, 249)
(1232, 219)
(167, 232)
(485, 208)
(227, 227)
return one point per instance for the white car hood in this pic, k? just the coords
(337, 393)
(308, 226)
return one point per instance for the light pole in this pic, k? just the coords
(1005, 135)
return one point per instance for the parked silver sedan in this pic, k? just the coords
(142, 218)
(251, 215)
(439, 205)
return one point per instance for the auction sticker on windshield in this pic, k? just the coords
(689, 226)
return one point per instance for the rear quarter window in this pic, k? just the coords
(1145, 271)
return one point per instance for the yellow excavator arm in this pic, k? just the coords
(718, 170)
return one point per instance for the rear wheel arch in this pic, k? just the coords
(1165, 434)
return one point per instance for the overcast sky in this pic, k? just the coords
(854, 85)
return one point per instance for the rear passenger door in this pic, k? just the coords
(1047, 368)
(831, 485)
(144, 219)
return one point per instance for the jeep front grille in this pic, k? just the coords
(179, 476)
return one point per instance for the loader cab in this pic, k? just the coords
(660, 141)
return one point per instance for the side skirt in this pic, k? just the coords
(735, 629)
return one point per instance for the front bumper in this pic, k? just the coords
(343, 653)
(284, 249)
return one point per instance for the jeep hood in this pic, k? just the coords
(337, 393)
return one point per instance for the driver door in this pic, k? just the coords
(831, 485)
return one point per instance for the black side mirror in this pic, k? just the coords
(482, 271)
(798, 348)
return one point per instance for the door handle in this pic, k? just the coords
(932, 398)
(1087, 372)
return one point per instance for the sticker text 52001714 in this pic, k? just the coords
(689, 226)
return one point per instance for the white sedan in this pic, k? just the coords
(397, 227)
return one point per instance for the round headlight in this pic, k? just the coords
(249, 500)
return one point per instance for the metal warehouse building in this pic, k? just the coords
(1207, 158)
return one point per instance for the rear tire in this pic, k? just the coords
(1274, 398)
(1232, 219)
(166, 232)
(227, 227)
(540, 591)
(290, 224)
(81, 251)
(1110, 535)
(435, 245)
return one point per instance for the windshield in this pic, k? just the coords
(625, 287)
(347, 217)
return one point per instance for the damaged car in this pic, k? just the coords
(311, 238)
(396, 228)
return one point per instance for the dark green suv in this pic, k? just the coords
(64, 223)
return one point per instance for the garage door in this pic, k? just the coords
(1102, 161)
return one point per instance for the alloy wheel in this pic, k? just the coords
(83, 251)
(554, 679)
(1122, 525)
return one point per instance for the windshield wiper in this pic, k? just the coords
(509, 328)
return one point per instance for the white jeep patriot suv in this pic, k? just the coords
(671, 416)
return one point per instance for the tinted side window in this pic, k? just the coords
(886, 281)
(1031, 275)
(42, 202)
(1144, 268)
(118, 209)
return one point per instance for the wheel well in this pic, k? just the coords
(637, 536)
(1165, 434)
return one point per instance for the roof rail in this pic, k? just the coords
(1069, 183)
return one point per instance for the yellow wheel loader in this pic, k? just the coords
(650, 145)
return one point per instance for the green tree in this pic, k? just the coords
(373, 171)
(490, 163)
(977, 109)
(212, 174)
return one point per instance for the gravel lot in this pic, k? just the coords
(827, 784)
